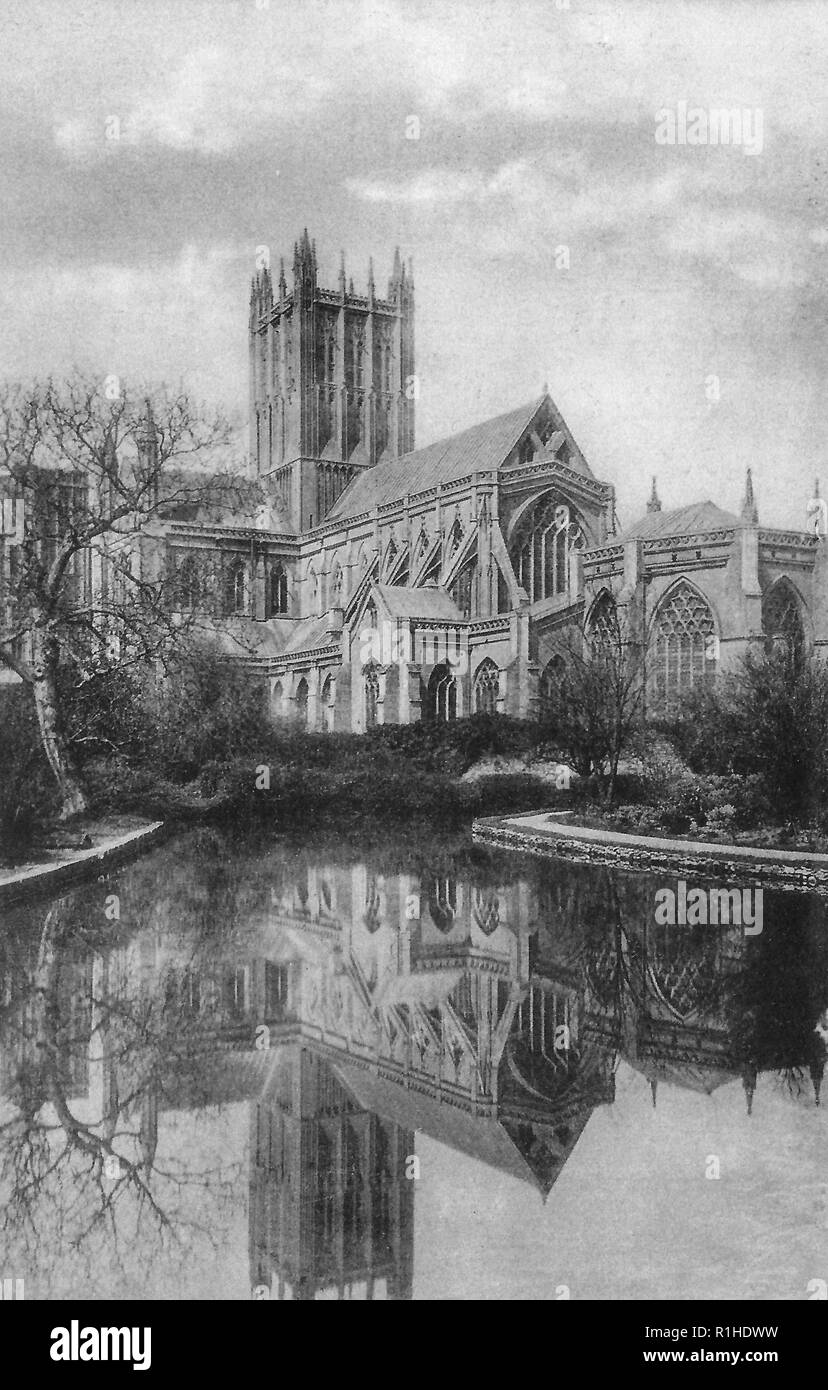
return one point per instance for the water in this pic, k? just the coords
(279, 1070)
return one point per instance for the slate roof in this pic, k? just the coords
(484, 446)
(682, 521)
(426, 602)
(308, 633)
(482, 1137)
(240, 637)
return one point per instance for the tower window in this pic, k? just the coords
(278, 595)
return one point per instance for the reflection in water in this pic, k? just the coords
(227, 1086)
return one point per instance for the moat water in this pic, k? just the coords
(252, 1068)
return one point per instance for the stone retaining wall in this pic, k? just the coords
(639, 854)
(44, 879)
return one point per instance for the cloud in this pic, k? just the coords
(166, 321)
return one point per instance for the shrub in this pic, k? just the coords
(769, 719)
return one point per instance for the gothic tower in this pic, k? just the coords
(331, 380)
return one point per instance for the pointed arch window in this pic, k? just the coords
(464, 590)
(486, 687)
(372, 916)
(313, 593)
(278, 591)
(603, 632)
(371, 688)
(390, 556)
(552, 681)
(540, 548)
(189, 586)
(358, 370)
(441, 704)
(328, 702)
(486, 911)
(337, 583)
(234, 594)
(442, 901)
(782, 618)
(682, 628)
(302, 694)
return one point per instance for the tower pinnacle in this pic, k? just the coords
(749, 513)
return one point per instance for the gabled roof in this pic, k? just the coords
(682, 521)
(484, 446)
(482, 1137)
(427, 602)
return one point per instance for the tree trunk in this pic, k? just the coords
(72, 796)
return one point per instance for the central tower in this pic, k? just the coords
(331, 380)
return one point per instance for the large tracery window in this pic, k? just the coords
(540, 549)
(603, 630)
(486, 687)
(782, 618)
(682, 628)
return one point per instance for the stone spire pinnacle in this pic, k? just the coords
(654, 504)
(750, 514)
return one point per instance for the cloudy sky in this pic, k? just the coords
(688, 334)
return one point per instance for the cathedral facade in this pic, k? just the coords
(382, 583)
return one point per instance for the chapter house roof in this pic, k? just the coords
(682, 521)
(482, 447)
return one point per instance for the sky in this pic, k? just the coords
(673, 296)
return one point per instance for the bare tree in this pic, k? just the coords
(71, 1176)
(88, 470)
(595, 702)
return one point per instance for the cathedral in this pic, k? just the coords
(384, 583)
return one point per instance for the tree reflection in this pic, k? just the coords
(91, 1052)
